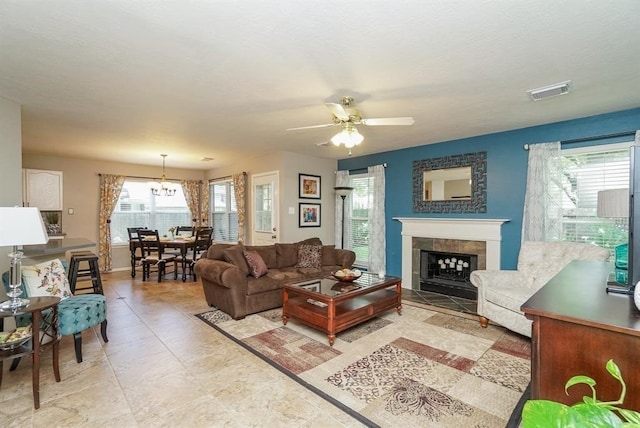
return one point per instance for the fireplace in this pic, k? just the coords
(476, 237)
(448, 273)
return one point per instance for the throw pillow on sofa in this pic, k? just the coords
(257, 266)
(234, 256)
(309, 256)
(46, 279)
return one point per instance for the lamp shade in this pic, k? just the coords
(343, 191)
(349, 136)
(21, 226)
(613, 203)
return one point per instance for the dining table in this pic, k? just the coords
(184, 244)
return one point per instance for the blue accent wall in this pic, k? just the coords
(506, 174)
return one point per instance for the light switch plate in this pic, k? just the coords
(292, 210)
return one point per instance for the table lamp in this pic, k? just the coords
(614, 203)
(19, 226)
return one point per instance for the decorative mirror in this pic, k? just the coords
(451, 184)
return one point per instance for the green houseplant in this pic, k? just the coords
(591, 412)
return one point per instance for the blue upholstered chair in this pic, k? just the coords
(75, 314)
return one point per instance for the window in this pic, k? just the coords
(585, 172)
(224, 212)
(357, 228)
(138, 207)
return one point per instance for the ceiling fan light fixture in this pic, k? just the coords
(349, 136)
(163, 188)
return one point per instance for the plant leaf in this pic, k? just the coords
(630, 416)
(579, 379)
(596, 416)
(544, 413)
(614, 370)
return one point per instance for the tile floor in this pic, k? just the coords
(163, 367)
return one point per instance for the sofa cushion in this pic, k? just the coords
(46, 279)
(257, 267)
(267, 252)
(286, 254)
(310, 241)
(309, 256)
(263, 284)
(235, 256)
(329, 255)
(216, 251)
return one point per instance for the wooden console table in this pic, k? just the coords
(577, 328)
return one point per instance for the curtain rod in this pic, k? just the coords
(226, 177)
(361, 169)
(593, 138)
(144, 178)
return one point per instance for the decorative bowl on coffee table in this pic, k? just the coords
(347, 277)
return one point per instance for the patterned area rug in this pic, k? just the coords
(421, 368)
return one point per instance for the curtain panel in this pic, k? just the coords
(110, 188)
(542, 214)
(196, 194)
(240, 191)
(377, 240)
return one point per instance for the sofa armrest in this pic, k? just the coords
(345, 258)
(219, 272)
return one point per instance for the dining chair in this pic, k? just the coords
(185, 230)
(134, 248)
(152, 254)
(201, 245)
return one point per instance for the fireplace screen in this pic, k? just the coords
(448, 273)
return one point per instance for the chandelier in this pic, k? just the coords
(349, 136)
(163, 188)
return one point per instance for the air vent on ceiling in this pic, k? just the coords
(555, 90)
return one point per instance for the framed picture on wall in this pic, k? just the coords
(309, 215)
(309, 186)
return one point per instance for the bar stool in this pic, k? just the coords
(90, 272)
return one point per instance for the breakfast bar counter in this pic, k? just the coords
(55, 248)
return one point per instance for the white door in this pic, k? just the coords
(264, 197)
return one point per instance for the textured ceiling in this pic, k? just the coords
(128, 80)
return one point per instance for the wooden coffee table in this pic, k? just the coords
(332, 306)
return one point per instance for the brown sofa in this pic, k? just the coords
(230, 285)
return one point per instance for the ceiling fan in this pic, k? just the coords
(347, 117)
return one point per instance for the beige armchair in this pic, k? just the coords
(501, 293)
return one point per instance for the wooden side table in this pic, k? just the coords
(50, 338)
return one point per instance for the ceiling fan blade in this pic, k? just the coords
(388, 121)
(338, 111)
(326, 125)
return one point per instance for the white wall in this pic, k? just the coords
(289, 165)
(10, 163)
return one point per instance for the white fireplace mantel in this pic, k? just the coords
(469, 229)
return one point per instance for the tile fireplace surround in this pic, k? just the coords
(472, 236)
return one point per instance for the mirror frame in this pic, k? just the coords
(478, 203)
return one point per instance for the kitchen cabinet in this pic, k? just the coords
(42, 189)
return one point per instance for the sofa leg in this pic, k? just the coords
(484, 322)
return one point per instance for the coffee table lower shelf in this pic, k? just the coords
(335, 314)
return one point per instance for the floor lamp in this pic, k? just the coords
(19, 226)
(343, 192)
